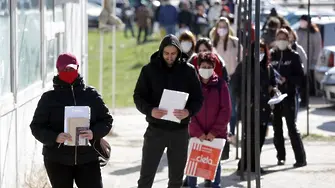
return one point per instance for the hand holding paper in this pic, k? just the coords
(158, 113)
(88, 134)
(62, 137)
(181, 114)
(172, 100)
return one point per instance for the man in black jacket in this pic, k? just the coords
(67, 163)
(166, 70)
(288, 64)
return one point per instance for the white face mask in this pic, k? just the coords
(222, 32)
(303, 23)
(282, 44)
(261, 56)
(206, 73)
(186, 46)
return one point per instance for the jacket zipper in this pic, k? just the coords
(75, 103)
(280, 61)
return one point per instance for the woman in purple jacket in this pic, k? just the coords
(211, 122)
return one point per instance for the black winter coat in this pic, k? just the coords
(267, 80)
(289, 65)
(157, 76)
(48, 121)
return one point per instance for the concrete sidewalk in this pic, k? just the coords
(123, 169)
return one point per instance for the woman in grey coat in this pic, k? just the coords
(315, 46)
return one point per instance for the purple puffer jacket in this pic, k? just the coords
(215, 112)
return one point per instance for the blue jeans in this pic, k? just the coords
(192, 181)
(233, 117)
(170, 29)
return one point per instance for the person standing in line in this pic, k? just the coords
(212, 120)
(67, 163)
(301, 93)
(187, 43)
(201, 23)
(128, 18)
(315, 46)
(288, 64)
(214, 13)
(185, 17)
(166, 70)
(168, 17)
(205, 45)
(142, 19)
(267, 89)
(227, 47)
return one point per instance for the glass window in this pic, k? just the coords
(29, 43)
(54, 15)
(5, 77)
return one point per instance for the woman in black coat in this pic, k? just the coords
(267, 88)
(65, 164)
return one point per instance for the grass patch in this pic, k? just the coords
(130, 58)
(318, 137)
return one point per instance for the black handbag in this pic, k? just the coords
(103, 150)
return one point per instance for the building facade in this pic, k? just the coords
(32, 34)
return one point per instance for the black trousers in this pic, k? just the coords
(140, 29)
(264, 118)
(85, 175)
(155, 142)
(287, 109)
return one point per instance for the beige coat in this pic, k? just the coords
(230, 55)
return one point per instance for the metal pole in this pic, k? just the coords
(239, 35)
(101, 71)
(248, 124)
(113, 59)
(243, 102)
(308, 63)
(257, 95)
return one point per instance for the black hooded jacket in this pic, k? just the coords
(48, 121)
(157, 76)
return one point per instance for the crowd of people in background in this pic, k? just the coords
(201, 55)
(208, 39)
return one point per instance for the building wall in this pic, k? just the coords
(32, 34)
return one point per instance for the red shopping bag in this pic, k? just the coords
(203, 158)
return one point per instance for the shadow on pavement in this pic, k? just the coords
(324, 111)
(268, 171)
(232, 180)
(328, 126)
(137, 168)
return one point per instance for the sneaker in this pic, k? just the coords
(208, 184)
(300, 164)
(281, 162)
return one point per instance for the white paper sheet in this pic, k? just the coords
(76, 119)
(277, 99)
(172, 100)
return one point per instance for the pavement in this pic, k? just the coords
(127, 137)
